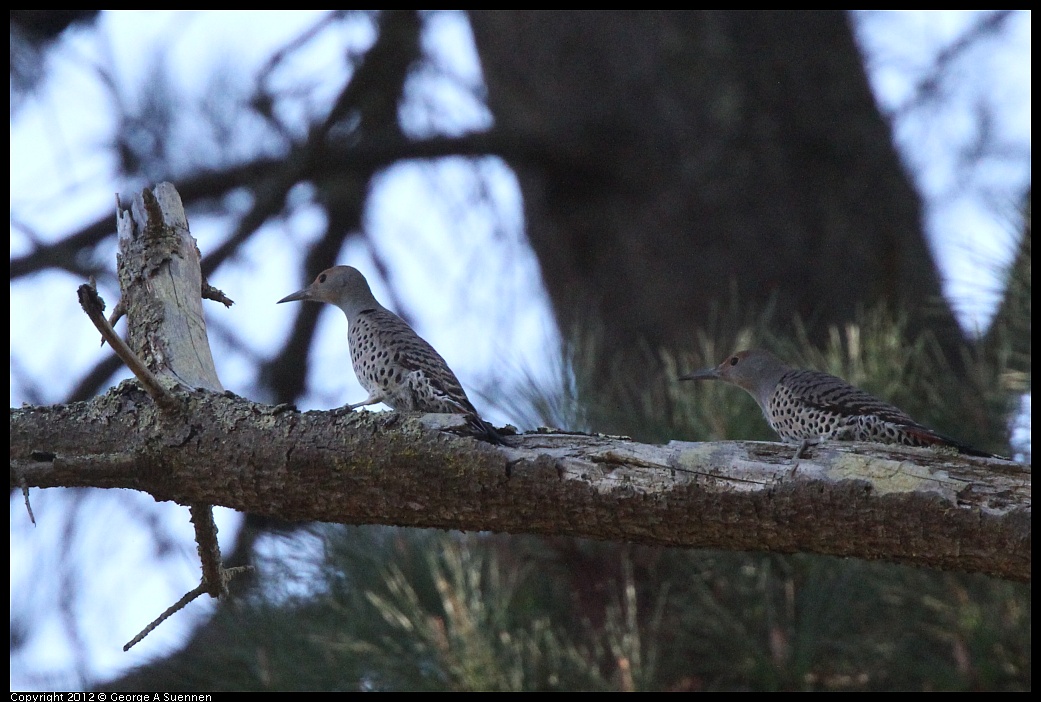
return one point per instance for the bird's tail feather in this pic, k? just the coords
(931, 438)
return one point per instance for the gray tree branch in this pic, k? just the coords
(905, 505)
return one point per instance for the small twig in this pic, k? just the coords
(209, 549)
(28, 507)
(117, 313)
(94, 306)
(211, 293)
(177, 606)
(226, 575)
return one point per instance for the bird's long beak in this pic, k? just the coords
(703, 374)
(304, 294)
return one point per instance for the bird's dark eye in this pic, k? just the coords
(321, 278)
(734, 360)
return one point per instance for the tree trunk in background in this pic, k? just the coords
(707, 154)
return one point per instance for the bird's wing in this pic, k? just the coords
(829, 393)
(832, 394)
(415, 356)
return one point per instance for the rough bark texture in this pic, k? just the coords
(705, 156)
(903, 505)
(161, 284)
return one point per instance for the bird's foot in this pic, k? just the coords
(370, 400)
(800, 452)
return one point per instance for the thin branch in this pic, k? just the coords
(209, 550)
(211, 293)
(94, 306)
(227, 575)
(169, 612)
(28, 506)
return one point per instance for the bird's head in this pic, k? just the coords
(755, 370)
(343, 286)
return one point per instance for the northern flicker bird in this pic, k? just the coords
(392, 362)
(809, 406)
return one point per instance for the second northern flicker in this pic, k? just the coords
(392, 362)
(809, 406)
